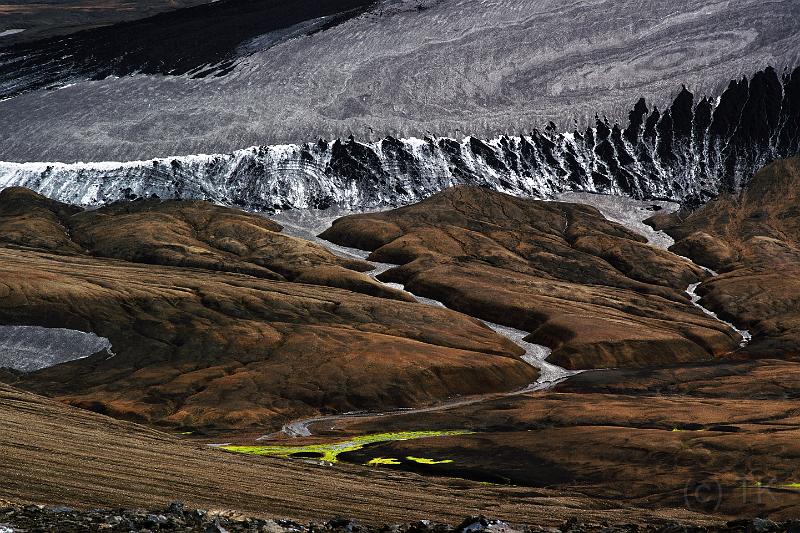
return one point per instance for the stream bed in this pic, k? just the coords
(308, 224)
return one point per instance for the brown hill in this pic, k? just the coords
(32, 220)
(180, 233)
(201, 346)
(587, 287)
(753, 239)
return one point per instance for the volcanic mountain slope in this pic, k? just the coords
(199, 345)
(199, 41)
(753, 239)
(401, 68)
(195, 348)
(590, 289)
(46, 18)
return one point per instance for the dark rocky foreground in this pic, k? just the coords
(54, 454)
(178, 518)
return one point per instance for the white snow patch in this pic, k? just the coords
(6, 33)
(31, 348)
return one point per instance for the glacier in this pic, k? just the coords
(690, 151)
(228, 75)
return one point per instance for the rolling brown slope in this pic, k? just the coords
(215, 324)
(591, 289)
(191, 234)
(753, 239)
(199, 349)
(56, 454)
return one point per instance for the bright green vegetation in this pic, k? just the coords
(330, 451)
(759, 484)
(383, 461)
(424, 461)
(393, 461)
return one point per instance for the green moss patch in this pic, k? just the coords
(383, 461)
(426, 461)
(329, 452)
